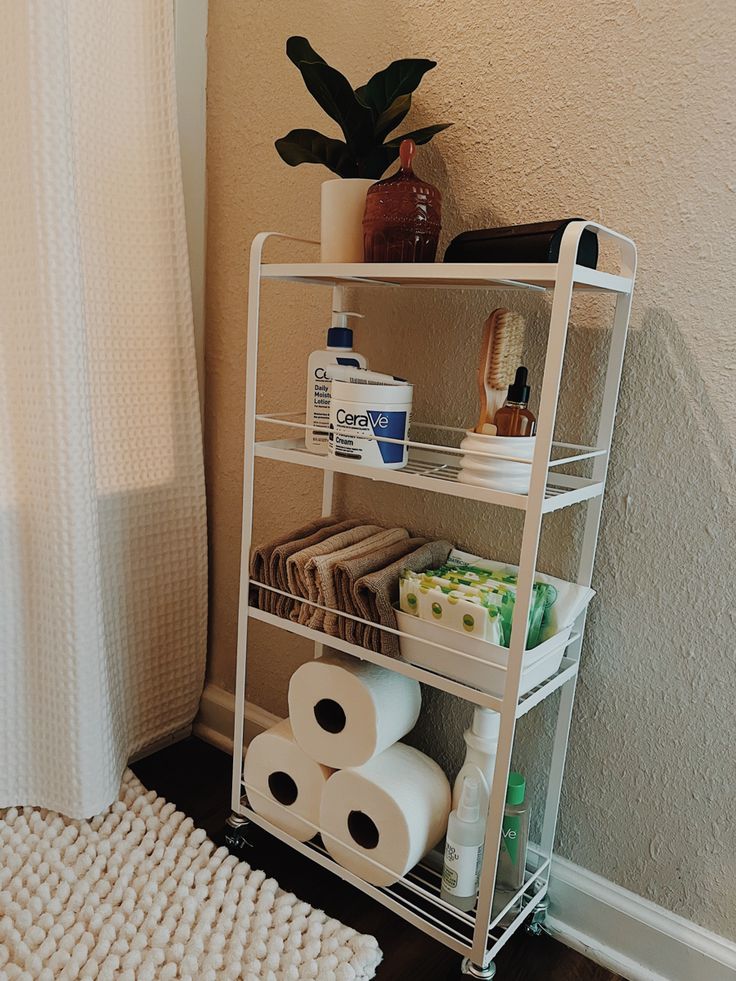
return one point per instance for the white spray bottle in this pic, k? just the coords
(464, 849)
(480, 759)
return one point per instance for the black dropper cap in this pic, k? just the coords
(519, 391)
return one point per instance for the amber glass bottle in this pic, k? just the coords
(402, 215)
(514, 417)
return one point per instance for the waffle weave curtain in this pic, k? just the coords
(102, 510)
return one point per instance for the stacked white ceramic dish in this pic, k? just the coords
(488, 471)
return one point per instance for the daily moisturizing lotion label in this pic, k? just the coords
(321, 391)
(320, 394)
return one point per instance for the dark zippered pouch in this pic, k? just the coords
(537, 242)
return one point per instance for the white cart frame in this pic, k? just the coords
(416, 897)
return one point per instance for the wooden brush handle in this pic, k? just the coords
(483, 389)
(497, 399)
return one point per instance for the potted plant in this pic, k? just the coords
(366, 116)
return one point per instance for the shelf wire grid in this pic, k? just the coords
(565, 672)
(418, 891)
(437, 466)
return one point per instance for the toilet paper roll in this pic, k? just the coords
(380, 819)
(284, 785)
(344, 711)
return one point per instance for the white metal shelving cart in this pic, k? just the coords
(477, 935)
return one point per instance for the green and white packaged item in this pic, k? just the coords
(455, 594)
(467, 612)
(570, 599)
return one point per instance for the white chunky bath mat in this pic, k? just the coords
(139, 894)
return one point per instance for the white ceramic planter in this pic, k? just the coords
(343, 204)
(503, 475)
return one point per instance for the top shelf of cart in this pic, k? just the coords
(538, 276)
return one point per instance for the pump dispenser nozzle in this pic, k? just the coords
(486, 724)
(340, 336)
(481, 738)
(340, 317)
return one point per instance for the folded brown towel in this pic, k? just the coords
(346, 574)
(320, 575)
(318, 568)
(281, 605)
(296, 564)
(261, 554)
(376, 593)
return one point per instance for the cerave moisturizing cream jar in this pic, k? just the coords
(363, 412)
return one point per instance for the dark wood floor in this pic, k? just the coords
(196, 778)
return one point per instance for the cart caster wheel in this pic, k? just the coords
(475, 971)
(236, 827)
(535, 925)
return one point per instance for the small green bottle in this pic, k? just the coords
(514, 839)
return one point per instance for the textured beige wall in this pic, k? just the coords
(619, 111)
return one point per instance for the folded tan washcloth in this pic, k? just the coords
(346, 574)
(261, 554)
(376, 593)
(296, 563)
(320, 575)
(281, 605)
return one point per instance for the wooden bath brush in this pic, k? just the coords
(500, 356)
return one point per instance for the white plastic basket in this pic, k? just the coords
(480, 664)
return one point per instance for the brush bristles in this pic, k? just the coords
(508, 343)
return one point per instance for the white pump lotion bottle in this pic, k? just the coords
(480, 759)
(339, 351)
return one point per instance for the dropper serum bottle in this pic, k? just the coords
(514, 417)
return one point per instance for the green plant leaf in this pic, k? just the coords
(299, 49)
(366, 115)
(391, 118)
(375, 163)
(308, 146)
(335, 95)
(419, 136)
(400, 78)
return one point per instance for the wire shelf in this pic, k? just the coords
(534, 276)
(416, 896)
(566, 671)
(437, 468)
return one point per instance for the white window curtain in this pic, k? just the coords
(102, 510)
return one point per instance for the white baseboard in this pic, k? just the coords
(215, 720)
(609, 924)
(629, 934)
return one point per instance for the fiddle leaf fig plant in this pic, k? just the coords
(366, 115)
